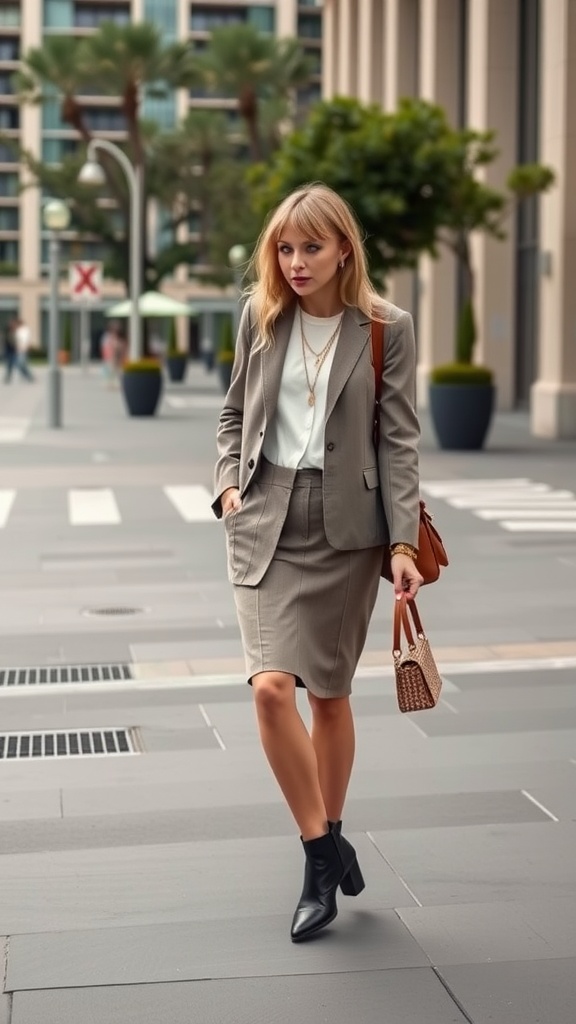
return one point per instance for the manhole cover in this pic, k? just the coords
(114, 610)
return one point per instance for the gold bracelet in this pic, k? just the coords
(404, 549)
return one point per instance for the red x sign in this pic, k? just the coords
(85, 281)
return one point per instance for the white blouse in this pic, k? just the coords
(295, 436)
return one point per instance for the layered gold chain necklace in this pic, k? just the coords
(319, 357)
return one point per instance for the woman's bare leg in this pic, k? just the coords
(333, 739)
(289, 750)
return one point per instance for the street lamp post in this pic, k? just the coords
(56, 218)
(91, 173)
(237, 256)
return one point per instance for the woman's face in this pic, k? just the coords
(310, 265)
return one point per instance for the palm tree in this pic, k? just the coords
(252, 68)
(58, 69)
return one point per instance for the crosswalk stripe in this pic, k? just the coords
(538, 526)
(6, 502)
(13, 428)
(192, 502)
(518, 505)
(93, 507)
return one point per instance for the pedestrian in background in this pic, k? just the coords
(308, 504)
(17, 344)
(113, 348)
(9, 350)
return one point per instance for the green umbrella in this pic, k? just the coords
(152, 304)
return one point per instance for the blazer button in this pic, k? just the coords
(330, 446)
(261, 433)
(251, 464)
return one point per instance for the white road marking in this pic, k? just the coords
(537, 804)
(518, 505)
(13, 429)
(192, 502)
(6, 502)
(93, 507)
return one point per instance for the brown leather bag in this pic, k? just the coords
(431, 552)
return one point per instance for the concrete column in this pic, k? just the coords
(286, 18)
(400, 51)
(493, 99)
(347, 51)
(366, 49)
(399, 40)
(553, 397)
(439, 83)
(329, 49)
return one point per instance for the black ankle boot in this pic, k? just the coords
(328, 864)
(353, 883)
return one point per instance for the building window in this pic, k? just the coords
(9, 49)
(6, 84)
(104, 119)
(206, 19)
(10, 15)
(9, 186)
(58, 13)
(9, 218)
(9, 118)
(91, 17)
(9, 255)
(263, 18)
(54, 150)
(8, 155)
(163, 14)
(309, 26)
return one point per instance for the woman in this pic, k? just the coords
(308, 505)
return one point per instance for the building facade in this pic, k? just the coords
(508, 65)
(25, 24)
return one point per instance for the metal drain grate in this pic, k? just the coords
(78, 743)
(42, 675)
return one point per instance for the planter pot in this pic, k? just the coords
(176, 366)
(461, 414)
(142, 389)
(225, 374)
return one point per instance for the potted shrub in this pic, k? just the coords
(225, 356)
(65, 350)
(462, 393)
(142, 386)
(176, 362)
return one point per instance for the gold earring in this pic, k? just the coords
(342, 264)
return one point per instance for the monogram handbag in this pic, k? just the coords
(431, 552)
(418, 682)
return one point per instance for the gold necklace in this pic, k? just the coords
(320, 356)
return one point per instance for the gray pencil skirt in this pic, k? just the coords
(310, 613)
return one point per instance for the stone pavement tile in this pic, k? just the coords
(115, 887)
(472, 933)
(535, 992)
(488, 681)
(484, 863)
(371, 997)
(551, 696)
(230, 948)
(558, 796)
(176, 718)
(150, 670)
(6, 1008)
(500, 720)
(45, 803)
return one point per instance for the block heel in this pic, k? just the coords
(353, 882)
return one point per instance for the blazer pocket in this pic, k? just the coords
(371, 478)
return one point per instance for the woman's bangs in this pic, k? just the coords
(307, 222)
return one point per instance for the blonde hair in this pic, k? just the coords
(315, 211)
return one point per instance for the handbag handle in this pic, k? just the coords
(377, 338)
(401, 619)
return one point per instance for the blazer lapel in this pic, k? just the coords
(354, 335)
(272, 360)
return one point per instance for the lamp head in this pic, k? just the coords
(237, 256)
(91, 173)
(56, 215)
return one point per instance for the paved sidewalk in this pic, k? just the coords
(158, 884)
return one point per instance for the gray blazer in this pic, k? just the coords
(370, 498)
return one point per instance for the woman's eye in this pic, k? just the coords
(313, 248)
(284, 249)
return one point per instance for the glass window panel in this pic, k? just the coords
(10, 15)
(7, 154)
(263, 18)
(163, 14)
(8, 254)
(9, 49)
(9, 185)
(310, 26)
(9, 218)
(58, 13)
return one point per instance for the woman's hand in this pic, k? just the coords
(230, 500)
(407, 579)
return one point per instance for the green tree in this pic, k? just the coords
(255, 69)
